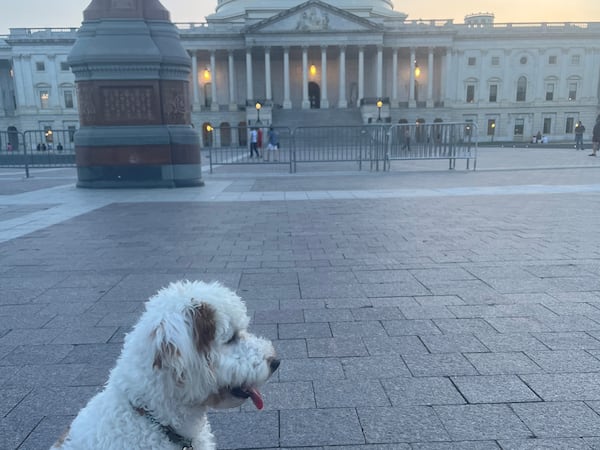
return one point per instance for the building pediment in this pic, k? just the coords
(313, 16)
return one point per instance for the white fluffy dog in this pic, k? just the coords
(189, 351)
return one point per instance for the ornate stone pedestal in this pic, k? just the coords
(132, 76)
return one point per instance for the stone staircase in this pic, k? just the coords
(316, 117)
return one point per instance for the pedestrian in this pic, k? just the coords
(273, 144)
(253, 142)
(9, 147)
(538, 137)
(579, 130)
(259, 141)
(596, 137)
(406, 145)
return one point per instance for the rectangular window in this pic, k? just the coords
(64, 66)
(572, 91)
(575, 59)
(471, 61)
(547, 125)
(493, 93)
(569, 126)
(470, 93)
(68, 99)
(40, 66)
(491, 127)
(519, 126)
(495, 60)
(552, 59)
(72, 130)
(44, 98)
(549, 92)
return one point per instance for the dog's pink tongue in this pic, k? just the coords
(256, 398)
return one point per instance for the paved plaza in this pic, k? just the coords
(414, 309)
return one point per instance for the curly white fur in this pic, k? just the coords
(187, 353)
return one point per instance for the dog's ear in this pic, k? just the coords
(166, 350)
(204, 326)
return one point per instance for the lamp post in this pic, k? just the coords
(209, 136)
(493, 125)
(258, 106)
(379, 105)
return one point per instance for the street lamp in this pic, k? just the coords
(379, 105)
(258, 106)
(493, 126)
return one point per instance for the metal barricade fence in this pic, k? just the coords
(231, 145)
(37, 148)
(339, 143)
(451, 141)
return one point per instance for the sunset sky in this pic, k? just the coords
(68, 13)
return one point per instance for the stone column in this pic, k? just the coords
(411, 93)
(361, 75)
(342, 102)
(231, 76)
(287, 103)
(249, 82)
(214, 103)
(268, 74)
(324, 99)
(394, 77)
(430, 78)
(508, 80)
(54, 91)
(31, 96)
(134, 104)
(447, 82)
(305, 100)
(19, 77)
(379, 89)
(195, 93)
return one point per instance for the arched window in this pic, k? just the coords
(521, 89)
(225, 130)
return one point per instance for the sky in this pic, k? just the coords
(68, 13)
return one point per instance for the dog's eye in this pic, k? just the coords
(233, 339)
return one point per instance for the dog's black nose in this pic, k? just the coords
(274, 364)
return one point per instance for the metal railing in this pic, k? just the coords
(37, 148)
(358, 144)
(376, 144)
(231, 146)
(449, 141)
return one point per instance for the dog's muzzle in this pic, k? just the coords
(252, 392)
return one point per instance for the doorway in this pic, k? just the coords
(314, 95)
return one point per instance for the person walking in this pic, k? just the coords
(253, 142)
(259, 141)
(579, 130)
(596, 137)
(273, 145)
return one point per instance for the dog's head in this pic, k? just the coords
(198, 346)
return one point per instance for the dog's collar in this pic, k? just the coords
(174, 436)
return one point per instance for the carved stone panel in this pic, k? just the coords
(176, 106)
(105, 103)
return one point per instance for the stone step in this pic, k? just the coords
(316, 117)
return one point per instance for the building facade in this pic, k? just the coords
(254, 61)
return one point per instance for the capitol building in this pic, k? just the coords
(360, 61)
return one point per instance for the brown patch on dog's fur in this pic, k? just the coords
(167, 350)
(61, 440)
(204, 326)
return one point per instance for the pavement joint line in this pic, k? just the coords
(69, 202)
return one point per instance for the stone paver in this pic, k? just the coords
(415, 309)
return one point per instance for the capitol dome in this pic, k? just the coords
(235, 10)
